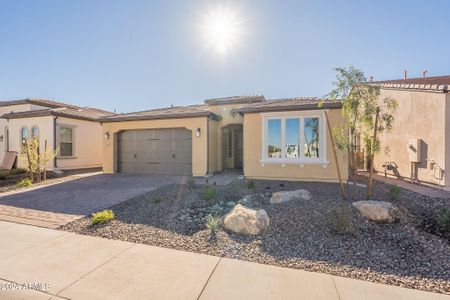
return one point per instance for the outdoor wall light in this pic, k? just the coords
(197, 132)
(1, 138)
(107, 135)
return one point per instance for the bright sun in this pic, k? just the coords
(221, 30)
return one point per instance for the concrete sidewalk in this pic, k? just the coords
(73, 266)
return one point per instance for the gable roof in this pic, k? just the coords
(163, 113)
(235, 100)
(288, 104)
(38, 101)
(435, 83)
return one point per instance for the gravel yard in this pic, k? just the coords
(303, 234)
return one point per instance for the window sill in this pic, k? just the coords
(66, 157)
(284, 162)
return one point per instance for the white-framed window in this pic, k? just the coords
(293, 137)
(24, 134)
(35, 132)
(66, 141)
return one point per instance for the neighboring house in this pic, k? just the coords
(419, 143)
(270, 139)
(72, 130)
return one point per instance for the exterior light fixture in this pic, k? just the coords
(197, 132)
(107, 135)
(1, 138)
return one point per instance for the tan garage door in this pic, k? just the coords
(155, 151)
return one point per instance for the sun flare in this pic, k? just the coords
(221, 30)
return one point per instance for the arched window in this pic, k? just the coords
(35, 132)
(24, 134)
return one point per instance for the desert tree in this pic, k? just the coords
(366, 115)
(36, 159)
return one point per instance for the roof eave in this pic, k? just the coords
(288, 108)
(160, 117)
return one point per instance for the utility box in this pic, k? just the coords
(414, 152)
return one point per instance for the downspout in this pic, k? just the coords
(55, 165)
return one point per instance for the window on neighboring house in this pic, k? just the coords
(24, 134)
(35, 132)
(294, 138)
(66, 141)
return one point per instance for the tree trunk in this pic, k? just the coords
(372, 156)
(45, 161)
(341, 184)
(30, 168)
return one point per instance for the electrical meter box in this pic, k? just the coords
(414, 152)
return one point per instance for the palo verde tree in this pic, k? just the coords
(366, 116)
(36, 159)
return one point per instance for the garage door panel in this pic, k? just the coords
(155, 151)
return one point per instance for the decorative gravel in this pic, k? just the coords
(302, 233)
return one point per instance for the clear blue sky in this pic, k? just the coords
(134, 55)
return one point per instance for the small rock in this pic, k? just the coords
(231, 203)
(246, 221)
(281, 197)
(378, 211)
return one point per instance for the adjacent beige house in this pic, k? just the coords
(73, 131)
(419, 143)
(268, 139)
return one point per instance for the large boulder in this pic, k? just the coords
(246, 220)
(378, 211)
(281, 197)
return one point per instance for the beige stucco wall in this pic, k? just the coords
(420, 115)
(4, 124)
(253, 168)
(199, 144)
(213, 144)
(88, 144)
(45, 125)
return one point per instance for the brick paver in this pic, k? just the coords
(56, 205)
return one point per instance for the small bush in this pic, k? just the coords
(341, 222)
(157, 199)
(191, 183)
(102, 216)
(250, 184)
(209, 193)
(394, 192)
(444, 220)
(26, 182)
(3, 177)
(212, 223)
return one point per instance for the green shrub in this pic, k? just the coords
(341, 222)
(394, 192)
(209, 193)
(157, 199)
(102, 216)
(444, 220)
(191, 183)
(212, 223)
(26, 182)
(250, 184)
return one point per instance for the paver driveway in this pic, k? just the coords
(59, 204)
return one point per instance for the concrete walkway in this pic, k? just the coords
(422, 189)
(71, 266)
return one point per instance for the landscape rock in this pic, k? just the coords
(285, 196)
(377, 211)
(246, 220)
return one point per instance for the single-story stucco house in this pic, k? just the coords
(268, 139)
(72, 130)
(419, 142)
